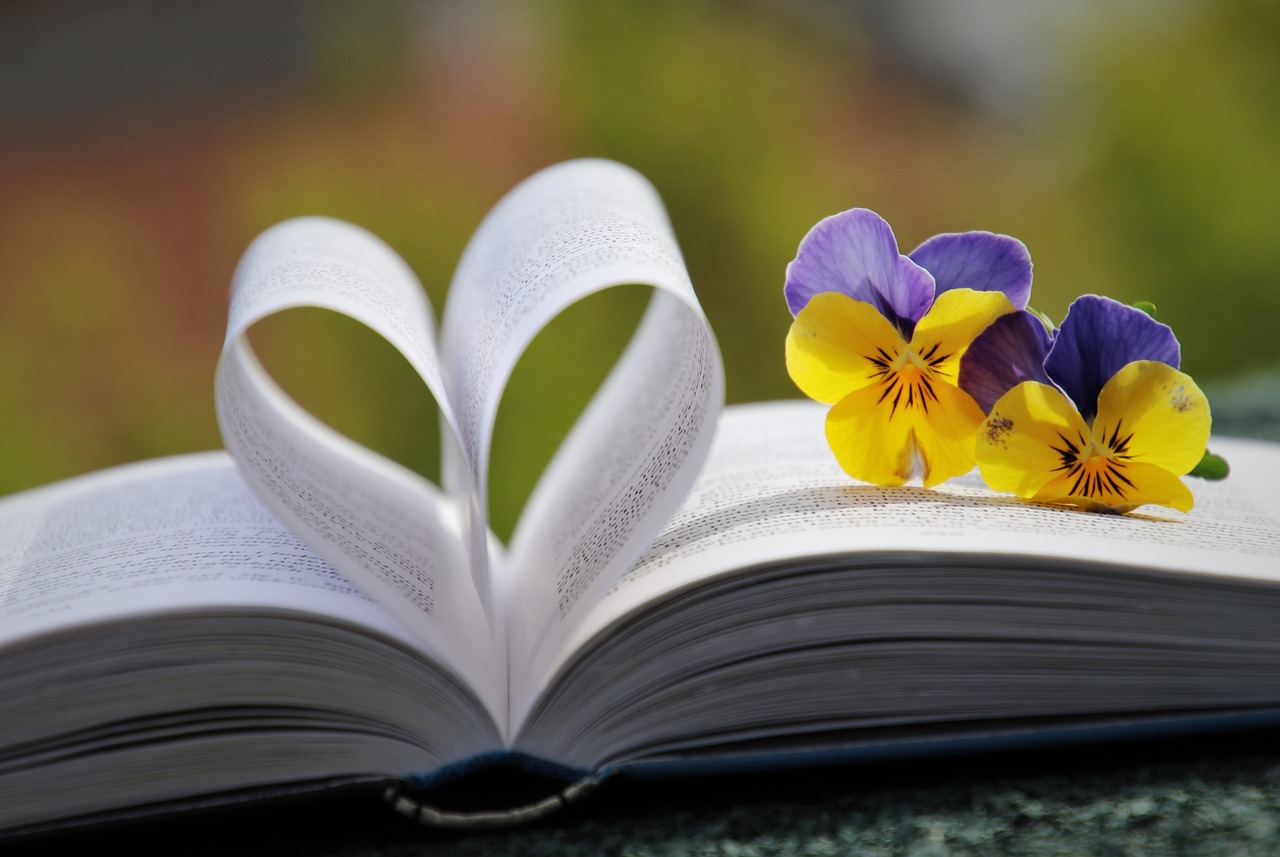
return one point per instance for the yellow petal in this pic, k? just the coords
(956, 317)
(1157, 414)
(867, 442)
(834, 345)
(1020, 445)
(1036, 445)
(1149, 484)
(946, 439)
(889, 434)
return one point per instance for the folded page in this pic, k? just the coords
(386, 528)
(567, 232)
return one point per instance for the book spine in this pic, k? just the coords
(515, 788)
(434, 816)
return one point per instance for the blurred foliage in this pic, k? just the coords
(725, 114)
(1187, 178)
(1159, 182)
(74, 302)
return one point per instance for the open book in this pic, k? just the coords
(687, 584)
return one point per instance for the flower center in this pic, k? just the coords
(906, 379)
(1097, 463)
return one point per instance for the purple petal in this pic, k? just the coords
(854, 252)
(982, 261)
(1011, 350)
(1097, 338)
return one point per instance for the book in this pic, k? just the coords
(690, 587)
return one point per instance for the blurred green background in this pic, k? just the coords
(1131, 145)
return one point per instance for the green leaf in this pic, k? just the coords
(1146, 306)
(1211, 466)
(1044, 319)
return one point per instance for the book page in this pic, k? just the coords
(171, 534)
(320, 262)
(616, 479)
(771, 492)
(567, 232)
(166, 637)
(389, 530)
(384, 527)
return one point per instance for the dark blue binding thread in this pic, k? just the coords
(407, 799)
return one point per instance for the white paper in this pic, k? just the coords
(381, 525)
(388, 529)
(319, 262)
(771, 492)
(173, 535)
(568, 232)
(614, 483)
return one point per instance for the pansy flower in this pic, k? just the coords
(1095, 415)
(879, 336)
